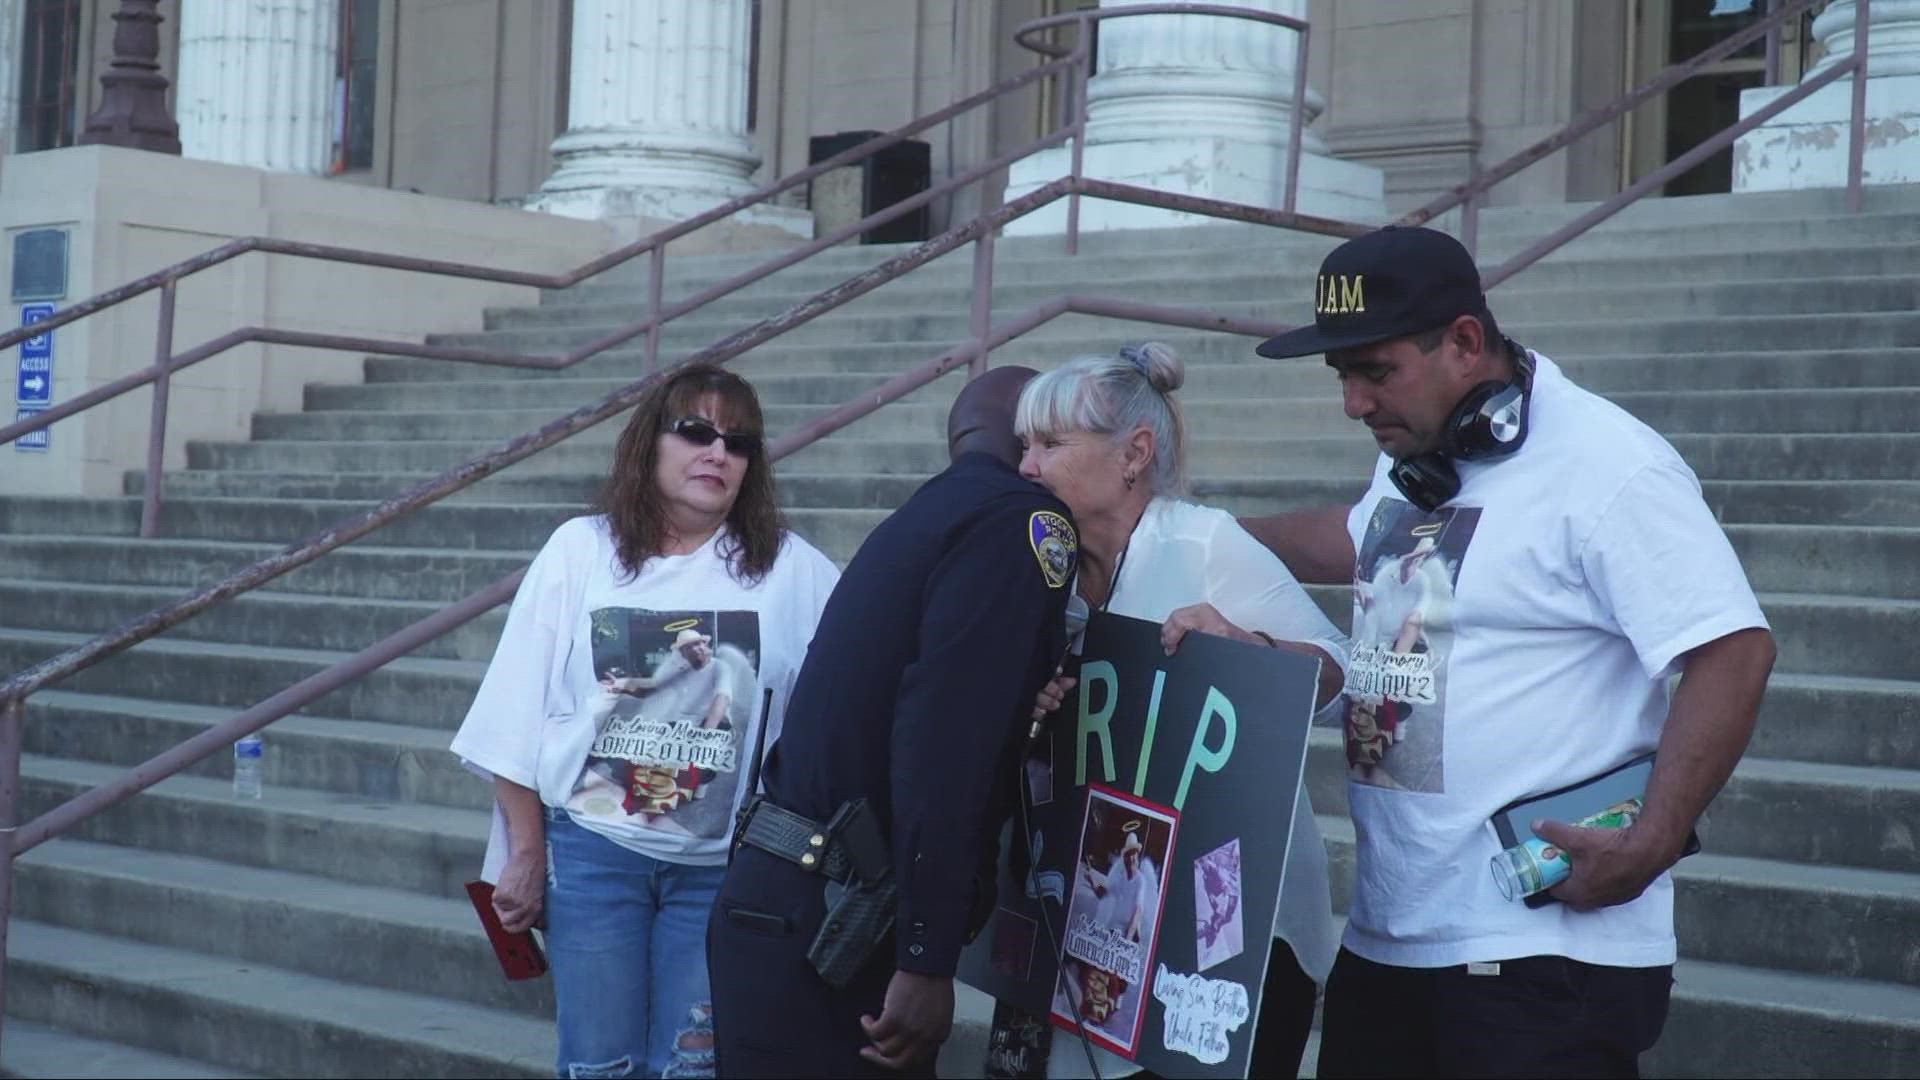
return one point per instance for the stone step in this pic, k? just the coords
(398, 573)
(1819, 503)
(1018, 286)
(456, 526)
(255, 1018)
(37, 1050)
(1845, 636)
(402, 941)
(1791, 812)
(342, 837)
(1732, 1020)
(1069, 335)
(1840, 719)
(1769, 245)
(1811, 813)
(1839, 559)
(393, 763)
(1818, 919)
(1837, 409)
(1228, 370)
(910, 311)
(343, 624)
(1828, 457)
(412, 690)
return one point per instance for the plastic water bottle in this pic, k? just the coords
(247, 754)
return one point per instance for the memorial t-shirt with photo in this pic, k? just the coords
(1516, 641)
(634, 701)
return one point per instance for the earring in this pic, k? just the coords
(1129, 479)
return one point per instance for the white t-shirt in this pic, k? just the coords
(1180, 554)
(635, 702)
(1516, 641)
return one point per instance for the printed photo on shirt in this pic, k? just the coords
(1218, 935)
(1402, 639)
(1113, 917)
(678, 690)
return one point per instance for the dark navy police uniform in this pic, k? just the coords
(915, 695)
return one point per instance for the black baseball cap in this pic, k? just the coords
(1386, 284)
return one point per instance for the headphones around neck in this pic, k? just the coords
(1489, 422)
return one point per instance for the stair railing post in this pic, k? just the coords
(1857, 139)
(1077, 77)
(157, 422)
(1773, 46)
(657, 269)
(982, 317)
(1296, 120)
(13, 718)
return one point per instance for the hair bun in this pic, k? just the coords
(1158, 362)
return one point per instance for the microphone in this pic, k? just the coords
(1078, 613)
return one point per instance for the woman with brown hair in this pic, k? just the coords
(646, 646)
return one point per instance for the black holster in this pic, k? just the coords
(851, 853)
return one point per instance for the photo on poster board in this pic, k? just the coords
(1113, 917)
(1218, 932)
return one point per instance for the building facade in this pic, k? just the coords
(548, 103)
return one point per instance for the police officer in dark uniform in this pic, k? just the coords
(865, 868)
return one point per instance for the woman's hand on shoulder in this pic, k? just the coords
(1201, 618)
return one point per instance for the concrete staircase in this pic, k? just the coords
(323, 930)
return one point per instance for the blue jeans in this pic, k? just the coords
(626, 942)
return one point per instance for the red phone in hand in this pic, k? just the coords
(520, 955)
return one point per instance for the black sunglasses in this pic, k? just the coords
(701, 432)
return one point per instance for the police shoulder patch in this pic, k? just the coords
(1054, 545)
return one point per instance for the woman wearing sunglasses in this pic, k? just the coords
(646, 646)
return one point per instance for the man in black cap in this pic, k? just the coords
(1529, 564)
(868, 864)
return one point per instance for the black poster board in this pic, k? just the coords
(1162, 804)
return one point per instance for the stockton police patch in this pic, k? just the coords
(1054, 545)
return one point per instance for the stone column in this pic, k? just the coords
(657, 115)
(1806, 146)
(257, 82)
(11, 13)
(1198, 105)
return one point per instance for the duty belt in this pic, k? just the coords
(850, 852)
(799, 840)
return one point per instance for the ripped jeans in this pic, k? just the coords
(626, 941)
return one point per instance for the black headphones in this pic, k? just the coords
(1489, 422)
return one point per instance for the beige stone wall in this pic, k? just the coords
(131, 213)
(828, 66)
(472, 97)
(1418, 89)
